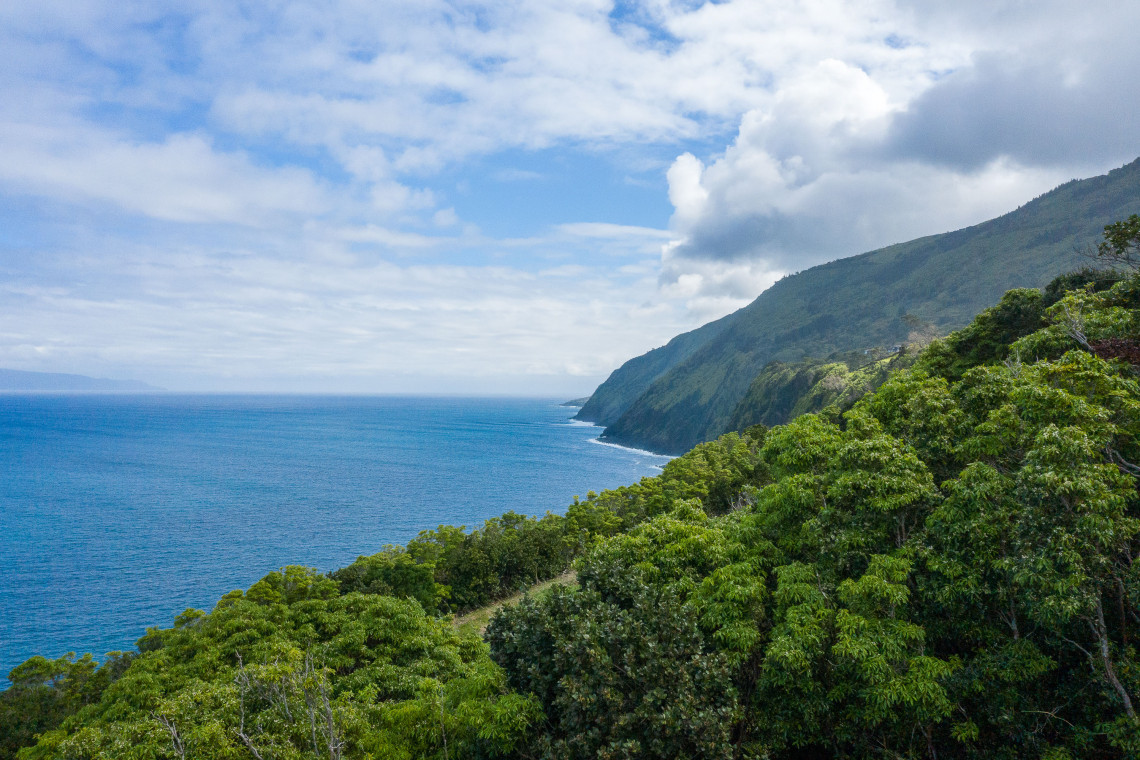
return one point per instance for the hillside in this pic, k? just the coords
(686, 392)
(785, 390)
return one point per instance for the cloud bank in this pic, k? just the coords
(208, 194)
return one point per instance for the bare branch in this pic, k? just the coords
(249, 745)
(1075, 328)
(1051, 714)
(1124, 465)
(1102, 635)
(1078, 646)
(336, 746)
(175, 738)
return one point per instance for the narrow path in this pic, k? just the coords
(477, 620)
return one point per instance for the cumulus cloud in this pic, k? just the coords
(182, 179)
(709, 289)
(1063, 103)
(260, 189)
(959, 115)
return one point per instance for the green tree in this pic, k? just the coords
(288, 670)
(393, 572)
(1121, 244)
(617, 681)
(43, 692)
(845, 673)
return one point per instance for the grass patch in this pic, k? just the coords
(476, 620)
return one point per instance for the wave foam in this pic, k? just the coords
(643, 452)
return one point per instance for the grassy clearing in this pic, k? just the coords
(477, 620)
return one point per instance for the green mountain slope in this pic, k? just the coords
(629, 381)
(855, 303)
(785, 390)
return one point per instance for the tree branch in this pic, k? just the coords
(168, 724)
(1101, 631)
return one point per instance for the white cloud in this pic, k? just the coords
(337, 322)
(181, 179)
(311, 145)
(445, 217)
(954, 118)
(687, 193)
(516, 175)
(711, 288)
(389, 238)
(615, 231)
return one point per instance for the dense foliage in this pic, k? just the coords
(669, 399)
(945, 568)
(451, 569)
(293, 669)
(43, 692)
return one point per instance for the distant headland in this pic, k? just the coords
(15, 380)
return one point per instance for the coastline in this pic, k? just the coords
(599, 441)
(168, 460)
(645, 452)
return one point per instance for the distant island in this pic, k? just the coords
(13, 380)
(578, 402)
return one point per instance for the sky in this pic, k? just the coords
(379, 196)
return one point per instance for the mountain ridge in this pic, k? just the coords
(670, 400)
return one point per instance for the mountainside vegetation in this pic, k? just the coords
(669, 400)
(783, 391)
(945, 567)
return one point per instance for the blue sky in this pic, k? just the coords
(511, 197)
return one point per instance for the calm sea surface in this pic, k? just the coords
(119, 512)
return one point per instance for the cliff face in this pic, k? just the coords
(684, 393)
(629, 381)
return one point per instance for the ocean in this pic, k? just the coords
(118, 512)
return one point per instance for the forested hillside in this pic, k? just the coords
(785, 390)
(852, 304)
(947, 569)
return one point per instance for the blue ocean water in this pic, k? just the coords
(119, 512)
